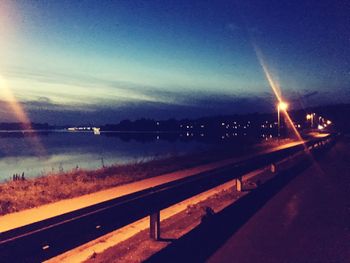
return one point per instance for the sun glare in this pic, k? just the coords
(19, 113)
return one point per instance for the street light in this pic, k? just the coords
(311, 118)
(281, 106)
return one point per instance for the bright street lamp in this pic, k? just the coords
(281, 106)
(311, 118)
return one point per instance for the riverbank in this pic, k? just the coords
(23, 194)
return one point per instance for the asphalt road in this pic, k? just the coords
(308, 220)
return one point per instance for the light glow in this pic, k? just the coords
(277, 91)
(283, 106)
(19, 114)
(273, 84)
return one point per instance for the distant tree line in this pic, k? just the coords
(213, 124)
(338, 114)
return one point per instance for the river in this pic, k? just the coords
(63, 151)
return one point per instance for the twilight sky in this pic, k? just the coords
(102, 61)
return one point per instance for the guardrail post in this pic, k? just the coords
(239, 185)
(154, 227)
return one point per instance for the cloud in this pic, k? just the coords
(74, 88)
(310, 94)
(196, 106)
(191, 106)
(112, 100)
(115, 100)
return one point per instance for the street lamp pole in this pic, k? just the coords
(310, 117)
(278, 120)
(281, 106)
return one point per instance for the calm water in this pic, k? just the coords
(64, 151)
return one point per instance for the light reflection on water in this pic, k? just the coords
(66, 151)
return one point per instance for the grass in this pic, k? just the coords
(23, 194)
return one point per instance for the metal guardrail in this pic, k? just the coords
(45, 239)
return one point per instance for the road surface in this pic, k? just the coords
(307, 221)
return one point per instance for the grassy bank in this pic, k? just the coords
(22, 194)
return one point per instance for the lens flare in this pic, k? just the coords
(273, 84)
(20, 114)
(277, 92)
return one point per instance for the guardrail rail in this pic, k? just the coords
(45, 239)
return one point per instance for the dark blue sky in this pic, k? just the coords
(102, 61)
